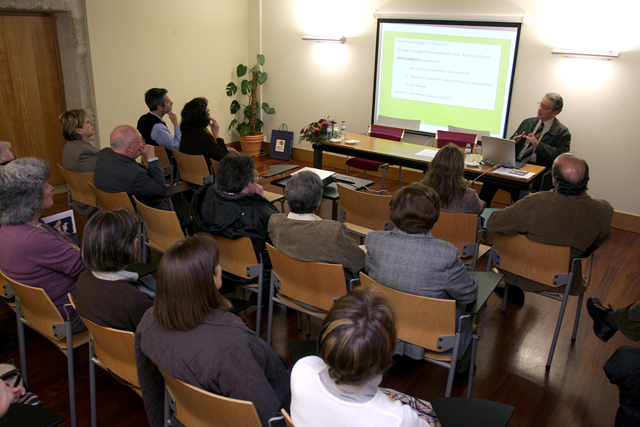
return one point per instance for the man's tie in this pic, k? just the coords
(527, 151)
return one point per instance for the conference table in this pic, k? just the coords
(404, 154)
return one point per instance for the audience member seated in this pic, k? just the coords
(409, 259)
(607, 321)
(446, 176)
(566, 216)
(31, 252)
(6, 155)
(117, 170)
(152, 126)
(305, 236)
(196, 136)
(78, 155)
(191, 336)
(107, 294)
(356, 345)
(235, 207)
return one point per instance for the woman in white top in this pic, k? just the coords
(340, 388)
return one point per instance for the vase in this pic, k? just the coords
(251, 144)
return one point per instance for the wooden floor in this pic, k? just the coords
(510, 360)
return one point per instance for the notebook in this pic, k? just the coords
(500, 152)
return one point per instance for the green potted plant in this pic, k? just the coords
(249, 128)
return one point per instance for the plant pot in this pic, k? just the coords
(251, 144)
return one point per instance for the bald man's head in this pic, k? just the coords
(570, 174)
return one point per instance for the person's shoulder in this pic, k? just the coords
(308, 362)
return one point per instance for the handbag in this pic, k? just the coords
(281, 143)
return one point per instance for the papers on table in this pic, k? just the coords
(513, 173)
(325, 176)
(427, 152)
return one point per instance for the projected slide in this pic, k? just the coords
(445, 75)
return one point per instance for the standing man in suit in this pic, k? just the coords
(151, 125)
(539, 140)
(117, 169)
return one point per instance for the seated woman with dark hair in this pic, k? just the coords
(107, 294)
(446, 176)
(191, 336)
(200, 132)
(356, 345)
(31, 252)
(409, 259)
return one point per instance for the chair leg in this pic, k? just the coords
(559, 323)
(365, 174)
(575, 325)
(504, 297)
(384, 175)
(348, 169)
(259, 309)
(22, 349)
(270, 316)
(474, 343)
(299, 321)
(308, 325)
(72, 382)
(92, 387)
(400, 178)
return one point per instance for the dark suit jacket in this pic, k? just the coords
(116, 173)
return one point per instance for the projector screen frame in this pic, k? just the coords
(509, 82)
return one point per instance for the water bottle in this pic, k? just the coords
(329, 131)
(478, 155)
(343, 131)
(467, 152)
(336, 132)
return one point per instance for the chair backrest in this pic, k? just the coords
(287, 418)
(365, 209)
(536, 261)
(398, 123)
(193, 168)
(197, 407)
(112, 201)
(214, 166)
(421, 320)
(78, 183)
(163, 227)
(386, 132)
(38, 309)
(458, 138)
(459, 229)
(313, 283)
(161, 154)
(236, 255)
(115, 349)
(480, 133)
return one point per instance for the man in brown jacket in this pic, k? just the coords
(565, 216)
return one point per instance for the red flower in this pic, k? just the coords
(325, 125)
(302, 131)
(316, 132)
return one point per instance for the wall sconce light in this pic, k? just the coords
(596, 54)
(325, 38)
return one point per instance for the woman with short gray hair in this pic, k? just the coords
(31, 252)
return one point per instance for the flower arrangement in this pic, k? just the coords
(317, 131)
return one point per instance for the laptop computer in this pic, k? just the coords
(500, 152)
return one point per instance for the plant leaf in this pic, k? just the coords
(233, 122)
(246, 87)
(260, 59)
(231, 89)
(243, 129)
(241, 70)
(247, 112)
(267, 109)
(235, 107)
(262, 77)
(258, 125)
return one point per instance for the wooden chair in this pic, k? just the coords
(114, 351)
(162, 228)
(547, 264)
(237, 257)
(362, 212)
(429, 323)
(457, 138)
(166, 162)
(195, 407)
(78, 186)
(313, 283)
(111, 201)
(192, 168)
(287, 418)
(461, 230)
(7, 292)
(35, 309)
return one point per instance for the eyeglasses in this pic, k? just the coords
(544, 107)
(138, 142)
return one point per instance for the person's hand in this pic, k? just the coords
(58, 227)
(215, 128)
(173, 118)
(518, 137)
(532, 139)
(148, 151)
(232, 150)
(17, 392)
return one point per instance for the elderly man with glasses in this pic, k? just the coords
(539, 140)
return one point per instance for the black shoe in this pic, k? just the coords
(8, 340)
(598, 313)
(515, 295)
(459, 378)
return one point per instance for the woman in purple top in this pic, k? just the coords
(446, 176)
(31, 252)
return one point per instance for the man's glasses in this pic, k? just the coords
(544, 107)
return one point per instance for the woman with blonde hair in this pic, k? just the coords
(446, 176)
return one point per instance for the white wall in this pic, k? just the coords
(190, 47)
(309, 80)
